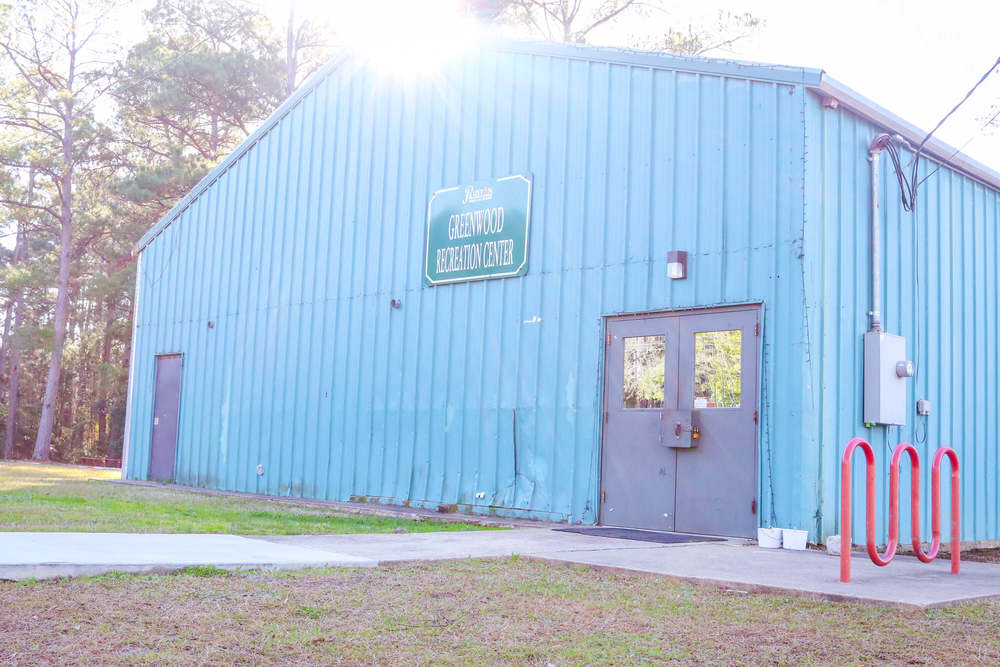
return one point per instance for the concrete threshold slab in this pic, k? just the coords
(51, 555)
(905, 583)
(391, 548)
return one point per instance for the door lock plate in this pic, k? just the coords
(677, 429)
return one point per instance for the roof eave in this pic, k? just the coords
(665, 61)
(934, 148)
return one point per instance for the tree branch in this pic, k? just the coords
(37, 207)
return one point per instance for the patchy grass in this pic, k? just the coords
(200, 571)
(63, 498)
(469, 612)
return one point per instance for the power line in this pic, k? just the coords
(909, 187)
(960, 103)
(962, 147)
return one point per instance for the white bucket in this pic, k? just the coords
(769, 538)
(793, 539)
(833, 545)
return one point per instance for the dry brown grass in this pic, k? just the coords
(482, 612)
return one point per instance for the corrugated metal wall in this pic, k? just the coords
(294, 254)
(941, 291)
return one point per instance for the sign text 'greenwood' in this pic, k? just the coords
(478, 231)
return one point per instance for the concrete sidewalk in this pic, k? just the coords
(50, 555)
(731, 564)
(905, 583)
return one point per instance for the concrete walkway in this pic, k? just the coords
(50, 555)
(905, 583)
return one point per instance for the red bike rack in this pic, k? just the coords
(890, 552)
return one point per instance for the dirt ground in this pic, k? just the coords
(982, 555)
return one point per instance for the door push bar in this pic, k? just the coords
(897, 454)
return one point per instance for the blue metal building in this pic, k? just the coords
(301, 351)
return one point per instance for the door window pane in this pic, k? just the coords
(645, 360)
(717, 369)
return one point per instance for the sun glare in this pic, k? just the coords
(406, 37)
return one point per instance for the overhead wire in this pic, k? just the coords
(909, 186)
(958, 150)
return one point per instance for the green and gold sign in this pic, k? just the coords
(478, 231)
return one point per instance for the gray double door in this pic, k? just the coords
(680, 423)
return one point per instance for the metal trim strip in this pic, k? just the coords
(131, 372)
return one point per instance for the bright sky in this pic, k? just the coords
(916, 58)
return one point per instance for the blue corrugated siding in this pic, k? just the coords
(296, 250)
(940, 289)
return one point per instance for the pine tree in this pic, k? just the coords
(50, 46)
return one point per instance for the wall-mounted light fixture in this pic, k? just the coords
(677, 264)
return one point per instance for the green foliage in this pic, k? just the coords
(645, 363)
(718, 367)
(198, 83)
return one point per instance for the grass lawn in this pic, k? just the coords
(470, 612)
(62, 498)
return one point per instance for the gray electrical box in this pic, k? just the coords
(886, 370)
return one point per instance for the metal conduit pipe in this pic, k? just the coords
(880, 142)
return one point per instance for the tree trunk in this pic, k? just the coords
(15, 259)
(5, 345)
(12, 353)
(43, 441)
(103, 440)
(13, 389)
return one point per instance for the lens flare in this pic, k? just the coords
(406, 37)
